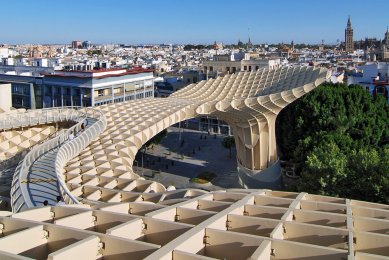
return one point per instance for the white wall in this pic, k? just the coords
(5, 97)
(383, 69)
(4, 52)
(369, 71)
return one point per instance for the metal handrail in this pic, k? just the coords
(10, 120)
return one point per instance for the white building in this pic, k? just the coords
(4, 52)
(43, 87)
(96, 87)
(373, 76)
(235, 62)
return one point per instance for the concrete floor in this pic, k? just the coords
(171, 168)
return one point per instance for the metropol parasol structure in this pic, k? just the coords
(112, 213)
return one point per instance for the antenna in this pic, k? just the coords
(248, 33)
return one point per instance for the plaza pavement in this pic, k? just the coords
(174, 161)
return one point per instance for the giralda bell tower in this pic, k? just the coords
(348, 37)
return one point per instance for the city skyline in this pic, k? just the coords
(199, 22)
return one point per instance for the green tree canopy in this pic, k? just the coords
(337, 137)
(93, 52)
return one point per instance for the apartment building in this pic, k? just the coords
(78, 88)
(96, 87)
(232, 63)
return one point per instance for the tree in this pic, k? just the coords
(337, 138)
(93, 52)
(325, 168)
(229, 142)
(368, 177)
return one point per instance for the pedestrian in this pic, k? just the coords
(45, 203)
(60, 201)
(71, 136)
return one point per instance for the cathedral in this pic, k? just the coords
(380, 51)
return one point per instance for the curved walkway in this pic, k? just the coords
(42, 182)
(39, 176)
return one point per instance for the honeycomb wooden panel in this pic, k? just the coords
(122, 216)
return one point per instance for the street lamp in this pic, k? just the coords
(179, 131)
(143, 150)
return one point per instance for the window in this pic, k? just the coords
(67, 102)
(48, 91)
(245, 68)
(20, 89)
(18, 100)
(210, 68)
(148, 83)
(38, 90)
(57, 91)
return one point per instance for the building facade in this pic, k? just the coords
(5, 97)
(79, 88)
(96, 87)
(26, 90)
(232, 63)
(76, 44)
(86, 44)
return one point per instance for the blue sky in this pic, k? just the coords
(194, 21)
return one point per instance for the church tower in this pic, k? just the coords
(386, 39)
(348, 37)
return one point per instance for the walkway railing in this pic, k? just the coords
(27, 118)
(67, 149)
